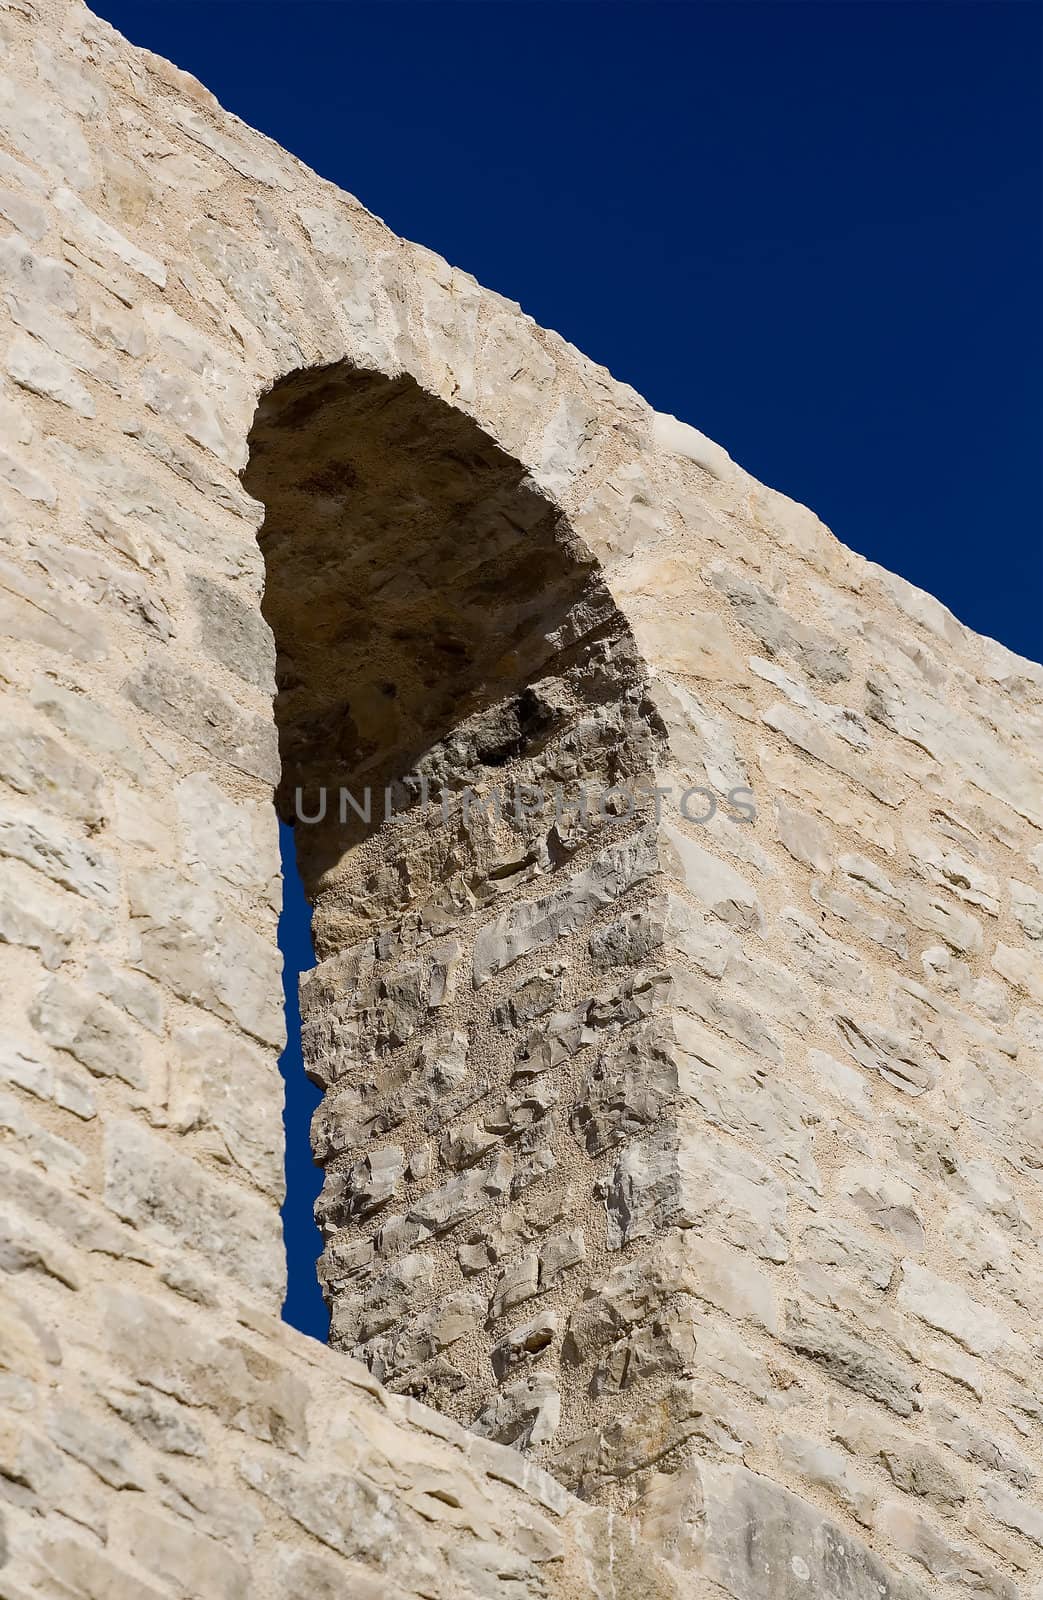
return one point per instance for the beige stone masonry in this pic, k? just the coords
(681, 1175)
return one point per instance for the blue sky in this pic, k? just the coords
(811, 229)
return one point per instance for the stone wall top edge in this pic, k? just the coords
(673, 450)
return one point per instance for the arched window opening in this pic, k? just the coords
(440, 634)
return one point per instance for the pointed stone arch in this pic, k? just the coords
(449, 656)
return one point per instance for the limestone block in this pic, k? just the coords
(760, 1542)
(31, 611)
(522, 1343)
(535, 924)
(1020, 1515)
(231, 1094)
(49, 849)
(884, 931)
(45, 133)
(82, 1570)
(526, 1412)
(36, 368)
(888, 1202)
(827, 795)
(463, 1195)
(694, 644)
(945, 1559)
(24, 1066)
(712, 881)
(31, 485)
(154, 1187)
(45, 769)
(46, 1473)
(958, 742)
(846, 1252)
(1020, 967)
(98, 1445)
(686, 1412)
(189, 940)
(35, 1248)
(952, 1310)
(233, 632)
(186, 704)
(29, 218)
(160, 1425)
(216, 1369)
(187, 1561)
(827, 1467)
(912, 1466)
(1027, 906)
(826, 746)
(136, 996)
(827, 961)
(96, 234)
(40, 277)
(969, 1439)
(79, 716)
(349, 1513)
(702, 742)
(806, 839)
(58, 336)
(778, 633)
(735, 1094)
(813, 1332)
(899, 1061)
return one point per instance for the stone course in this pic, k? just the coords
(681, 1179)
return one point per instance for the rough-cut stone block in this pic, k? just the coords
(760, 1542)
(189, 940)
(156, 1188)
(680, 1129)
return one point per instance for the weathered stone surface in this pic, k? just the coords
(82, 1570)
(77, 715)
(189, 1562)
(829, 748)
(945, 1559)
(828, 1468)
(824, 1339)
(36, 765)
(952, 1310)
(160, 1424)
(188, 705)
(221, 1091)
(154, 1187)
(534, 925)
(698, 1159)
(899, 1062)
(780, 634)
(36, 368)
(218, 1371)
(712, 881)
(888, 1202)
(42, 277)
(233, 633)
(96, 233)
(71, 1019)
(759, 1542)
(187, 938)
(47, 847)
(33, 611)
(23, 1065)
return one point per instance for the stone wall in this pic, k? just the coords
(698, 1162)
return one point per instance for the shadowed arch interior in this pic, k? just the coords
(417, 584)
(436, 619)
